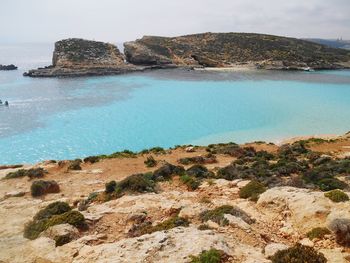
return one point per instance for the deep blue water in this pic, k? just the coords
(69, 118)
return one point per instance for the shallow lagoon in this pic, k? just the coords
(69, 118)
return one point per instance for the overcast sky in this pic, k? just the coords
(121, 20)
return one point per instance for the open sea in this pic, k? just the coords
(70, 118)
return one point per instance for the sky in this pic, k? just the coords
(124, 20)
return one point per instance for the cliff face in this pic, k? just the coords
(227, 49)
(79, 57)
(80, 52)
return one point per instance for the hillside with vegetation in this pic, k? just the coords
(257, 202)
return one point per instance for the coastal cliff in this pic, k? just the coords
(79, 57)
(230, 49)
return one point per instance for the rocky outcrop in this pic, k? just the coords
(230, 49)
(79, 57)
(8, 67)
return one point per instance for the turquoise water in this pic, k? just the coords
(69, 118)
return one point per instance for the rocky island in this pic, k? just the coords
(257, 202)
(78, 57)
(8, 67)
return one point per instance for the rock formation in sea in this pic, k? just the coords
(230, 49)
(8, 67)
(79, 57)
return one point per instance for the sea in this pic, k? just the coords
(68, 118)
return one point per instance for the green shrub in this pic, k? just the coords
(123, 154)
(55, 208)
(41, 187)
(190, 182)
(148, 228)
(31, 173)
(328, 184)
(217, 215)
(203, 227)
(110, 187)
(318, 232)
(210, 256)
(150, 162)
(199, 171)
(298, 254)
(137, 183)
(154, 150)
(62, 240)
(252, 190)
(166, 172)
(54, 213)
(92, 159)
(75, 165)
(337, 196)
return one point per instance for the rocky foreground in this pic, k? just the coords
(79, 57)
(257, 202)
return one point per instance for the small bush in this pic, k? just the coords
(199, 171)
(92, 159)
(150, 162)
(55, 208)
(137, 183)
(203, 227)
(318, 232)
(148, 228)
(123, 154)
(210, 256)
(42, 187)
(75, 165)
(167, 171)
(54, 214)
(110, 187)
(190, 182)
(252, 190)
(298, 254)
(328, 184)
(341, 228)
(337, 196)
(31, 173)
(217, 215)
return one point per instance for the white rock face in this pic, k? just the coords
(272, 248)
(61, 230)
(238, 222)
(307, 209)
(164, 247)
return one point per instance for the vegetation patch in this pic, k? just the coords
(217, 215)
(75, 165)
(154, 150)
(210, 256)
(298, 254)
(54, 214)
(207, 159)
(318, 232)
(136, 183)
(41, 187)
(252, 190)
(92, 159)
(31, 173)
(337, 196)
(150, 162)
(199, 171)
(191, 182)
(148, 228)
(167, 171)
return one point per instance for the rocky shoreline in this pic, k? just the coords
(79, 57)
(257, 202)
(8, 67)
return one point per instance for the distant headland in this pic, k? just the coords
(79, 57)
